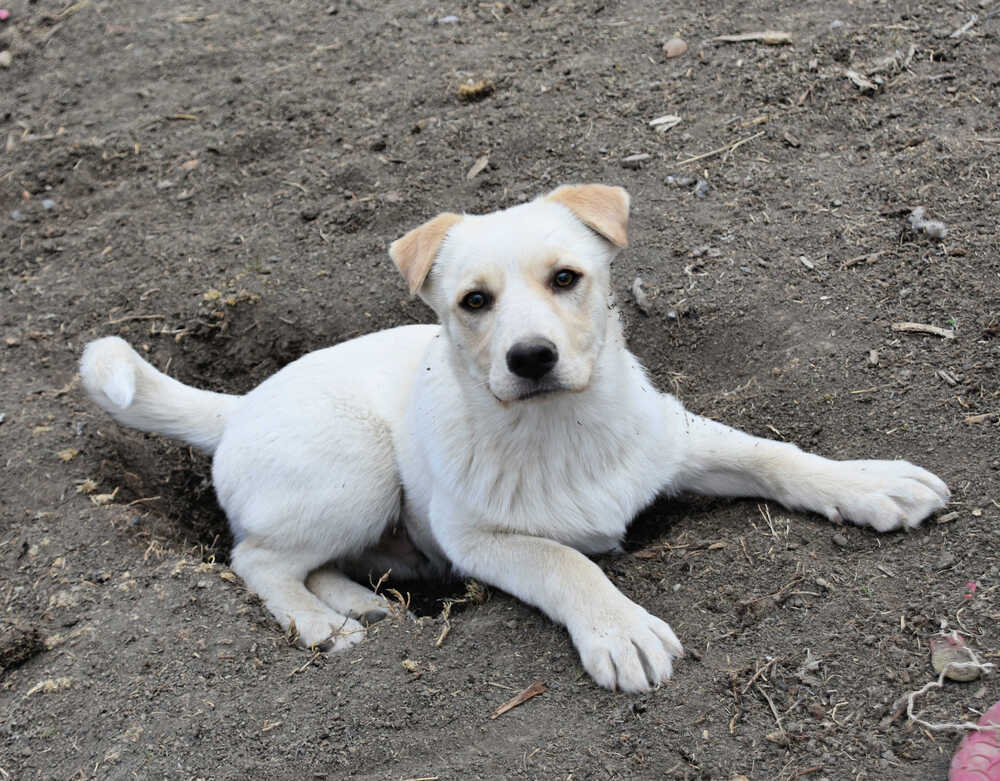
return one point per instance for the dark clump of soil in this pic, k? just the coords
(219, 185)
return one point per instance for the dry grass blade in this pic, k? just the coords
(519, 699)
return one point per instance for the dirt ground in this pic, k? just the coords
(218, 184)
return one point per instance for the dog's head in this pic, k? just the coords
(522, 293)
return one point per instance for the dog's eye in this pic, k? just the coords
(475, 300)
(565, 278)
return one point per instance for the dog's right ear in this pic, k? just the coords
(414, 253)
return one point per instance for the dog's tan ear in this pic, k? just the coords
(414, 253)
(603, 208)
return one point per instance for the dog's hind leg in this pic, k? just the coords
(278, 577)
(345, 596)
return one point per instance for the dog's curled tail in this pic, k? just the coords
(139, 396)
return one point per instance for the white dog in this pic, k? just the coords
(506, 443)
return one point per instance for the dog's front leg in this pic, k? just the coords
(621, 645)
(721, 461)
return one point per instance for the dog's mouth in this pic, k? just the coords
(537, 392)
(541, 392)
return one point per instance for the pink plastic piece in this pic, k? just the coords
(4, 14)
(978, 755)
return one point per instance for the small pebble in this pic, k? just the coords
(839, 540)
(17, 215)
(675, 47)
(951, 649)
(702, 189)
(640, 296)
(873, 357)
(635, 161)
(6, 58)
(48, 204)
(448, 20)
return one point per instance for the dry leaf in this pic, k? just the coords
(87, 486)
(68, 454)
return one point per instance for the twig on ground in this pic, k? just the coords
(316, 655)
(519, 699)
(129, 318)
(922, 328)
(727, 149)
(965, 27)
(870, 257)
(769, 37)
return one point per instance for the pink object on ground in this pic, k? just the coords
(4, 14)
(978, 755)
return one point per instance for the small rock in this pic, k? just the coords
(839, 540)
(450, 19)
(635, 161)
(675, 47)
(873, 357)
(48, 204)
(933, 228)
(309, 213)
(702, 189)
(664, 123)
(6, 58)
(472, 91)
(951, 650)
(17, 215)
(641, 299)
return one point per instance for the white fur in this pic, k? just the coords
(422, 434)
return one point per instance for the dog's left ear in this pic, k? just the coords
(414, 253)
(598, 206)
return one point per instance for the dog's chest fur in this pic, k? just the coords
(562, 467)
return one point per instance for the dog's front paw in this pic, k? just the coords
(885, 495)
(324, 631)
(626, 649)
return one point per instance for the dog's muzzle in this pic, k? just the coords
(532, 359)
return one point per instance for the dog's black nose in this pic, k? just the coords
(532, 359)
